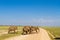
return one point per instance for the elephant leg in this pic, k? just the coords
(14, 31)
(26, 32)
(36, 30)
(9, 31)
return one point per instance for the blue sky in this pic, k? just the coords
(30, 12)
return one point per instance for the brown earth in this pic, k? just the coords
(42, 35)
(3, 32)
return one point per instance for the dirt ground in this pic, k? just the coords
(3, 32)
(42, 35)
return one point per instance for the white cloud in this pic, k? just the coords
(50, 22)
(41, 21)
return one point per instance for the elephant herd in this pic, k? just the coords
(30, 30)
(25, 30)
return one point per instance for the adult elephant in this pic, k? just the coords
(34, 29)
(26, 30)
(12, 28)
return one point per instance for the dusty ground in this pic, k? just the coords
(42, 35)
(3, 32)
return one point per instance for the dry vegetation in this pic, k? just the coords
(4, 29)
(4, 32)
(55, 31)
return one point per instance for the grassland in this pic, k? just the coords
(5, 28)
(55, 31)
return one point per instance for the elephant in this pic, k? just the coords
(33, 28)
(12, 28)
(26, 30)
(29, 29)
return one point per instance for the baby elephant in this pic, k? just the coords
(12, 28)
